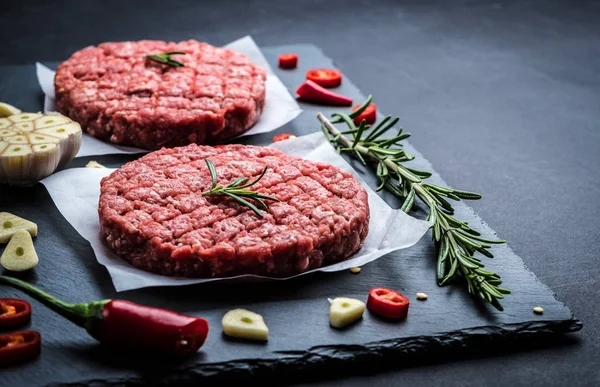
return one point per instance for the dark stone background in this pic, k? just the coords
(502, 97)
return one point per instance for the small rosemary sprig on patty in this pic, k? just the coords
(165, 58)
(236, 191)
(456, 241)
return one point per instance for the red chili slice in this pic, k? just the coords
(325, 77)
(19, 347)
(14, 312)
(388, 303)
(369, 114)
(283, 137)
(288, 61)
(310, 91)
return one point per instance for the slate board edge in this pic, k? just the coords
(295, 362)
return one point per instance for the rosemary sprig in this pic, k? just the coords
(456, 241)
(165, 58)
(236, 191)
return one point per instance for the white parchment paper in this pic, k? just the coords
(75, 192)
(280, 106)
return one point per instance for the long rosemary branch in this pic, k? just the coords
(455, 240)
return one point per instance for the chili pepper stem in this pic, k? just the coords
(83, 315)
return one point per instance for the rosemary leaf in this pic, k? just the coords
(213, 172)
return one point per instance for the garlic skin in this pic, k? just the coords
(34, 145)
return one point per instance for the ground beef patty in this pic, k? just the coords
(119, 95)
(152, 213)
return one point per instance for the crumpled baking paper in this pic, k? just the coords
(280, 106)
(389, 229)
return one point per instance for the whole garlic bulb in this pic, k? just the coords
(34, 145)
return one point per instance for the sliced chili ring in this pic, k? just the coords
(19, 347)
(283, 137)
(14, 312)
(288, 61)
(388, 303)
(369, 114)
(325, 77)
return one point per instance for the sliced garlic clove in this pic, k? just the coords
(8, 110)
(34, 145)
(24, 126)
(19, 254)
(4, 123)
(16, 139)
(22, 117)
(50, 120)
(38, 138)
(43, 147)
(10, 224)
(61, 131)
(6, 132)
(244, 324)
(344, 311)
(16, 150)
(94, 164)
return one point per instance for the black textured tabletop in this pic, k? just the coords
(503, 97)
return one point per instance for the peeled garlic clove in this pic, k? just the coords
(94, 164)
(19, 254)
(245, 324)
(34, 145)
(344, 311)
(10, 224)
(8, 110)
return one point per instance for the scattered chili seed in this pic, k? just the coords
(355, 270)
(422, 296)
(538, 310)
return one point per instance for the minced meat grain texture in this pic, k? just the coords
(152, 213)
(119, 95)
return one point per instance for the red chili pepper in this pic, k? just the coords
(325, 77)
(288, 61)
(19, 347)
(369, 114)
(14, 312)
(388, 303)
(282, 137)
(125, 324)
(310, 91)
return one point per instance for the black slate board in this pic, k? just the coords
(296, 311)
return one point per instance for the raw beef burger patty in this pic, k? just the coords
(152, 213)
(119, 95)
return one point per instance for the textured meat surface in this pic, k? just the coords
(152, 213)
(119, 95)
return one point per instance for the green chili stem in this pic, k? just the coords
(79, 314)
